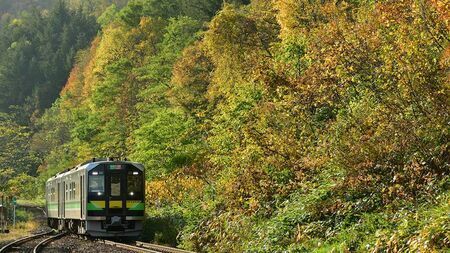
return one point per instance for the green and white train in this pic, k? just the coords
(100, 198)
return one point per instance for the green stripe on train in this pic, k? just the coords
(72, 205)
(138, 207)
(92, 207)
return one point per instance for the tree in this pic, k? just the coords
(37, 54)
(15, 147)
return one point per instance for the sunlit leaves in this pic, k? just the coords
(191, 78)
(292, 125)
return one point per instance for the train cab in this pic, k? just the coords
(115, 198)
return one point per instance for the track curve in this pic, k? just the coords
(20, 241)
(42, 244)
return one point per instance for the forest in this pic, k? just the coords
(264, 126)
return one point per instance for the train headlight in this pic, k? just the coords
(135, 173)
(131, 193)
(99, 193)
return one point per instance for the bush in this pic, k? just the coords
(163, 227)
(23, 216)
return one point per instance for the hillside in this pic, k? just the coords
(39, 41)
(265, 126)
(15, 7)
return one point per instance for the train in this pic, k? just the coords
(103, 197)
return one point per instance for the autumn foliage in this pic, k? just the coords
(271, 126)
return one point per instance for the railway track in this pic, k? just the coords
(27, 244)
(145, 247)
(42, 244)
(15, 245)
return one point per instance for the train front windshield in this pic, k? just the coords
(135, 184)
(97, 182)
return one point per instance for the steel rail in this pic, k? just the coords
(128, 247)
(42, 244)
(145, 247)
(23, 240)
(162, 249)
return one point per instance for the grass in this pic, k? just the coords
(22, 229)
(25, 224)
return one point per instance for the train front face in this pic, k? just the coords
(115, 204)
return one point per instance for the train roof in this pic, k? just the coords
(91, 164)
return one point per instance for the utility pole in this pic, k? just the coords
(2, 215)
(14, 202)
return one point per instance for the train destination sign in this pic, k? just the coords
(116, 166)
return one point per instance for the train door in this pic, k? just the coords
(64, 197)
(81, 196)
(116, 189)
(59, 200)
